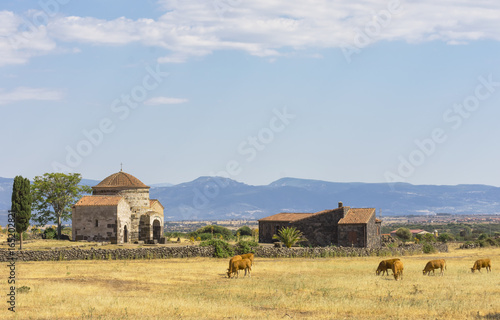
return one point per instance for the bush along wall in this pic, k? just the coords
(110, 254)
(209, 251)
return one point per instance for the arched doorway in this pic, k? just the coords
(125, 234)
(156, 230)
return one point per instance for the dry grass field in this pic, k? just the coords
(197, 288)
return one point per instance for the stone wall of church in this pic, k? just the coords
(151, 226)
(94, 223)
(138, 200)
(139, 205)
(123, 220)
(156, 206)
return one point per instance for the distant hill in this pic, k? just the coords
(220, 198)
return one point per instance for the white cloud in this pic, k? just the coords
(164, 100)
(19, 42)
(265, 28)
(24, 94)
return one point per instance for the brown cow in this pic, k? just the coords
(397, 270)
(434, 264)
(248, 256)
(385, 266)
(481, 263)
(235, 258)
(244, 264)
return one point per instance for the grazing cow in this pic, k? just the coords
(481, 263)
(397, 270)
(235, 258)
(248, 256)
(244, 264)
(385, 266)
(434, 264)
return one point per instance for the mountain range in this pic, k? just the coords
(216, 198)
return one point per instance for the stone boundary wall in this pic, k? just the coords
(110, 254)
(320, 252)
(195, 251)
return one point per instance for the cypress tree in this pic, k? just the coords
(21, 206)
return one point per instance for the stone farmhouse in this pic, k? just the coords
(343, 226)
(120, 211)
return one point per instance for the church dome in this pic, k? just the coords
(121, 180)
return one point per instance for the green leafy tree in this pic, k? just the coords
(53, 195)
(404, 234)
(483, 236)
(445, 237)
(222, 249)
(244, 231)
(467, 232)
(213, 230)
(429, 238)
(21, 206)
(289, 236)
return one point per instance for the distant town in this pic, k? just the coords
(192, 225)
(442, 218)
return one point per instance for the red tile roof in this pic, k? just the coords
(291, 216)
(413, 231)
(357, 216)
(287, 216)
(151, 201)
(121, 180)
(99, 201)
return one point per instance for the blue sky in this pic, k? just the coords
(372, 91)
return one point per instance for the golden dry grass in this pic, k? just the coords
(340, 288)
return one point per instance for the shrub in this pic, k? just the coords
(486, 242)
(25, 236)
(428, 237)
(215, 230)
(404, 234)
(244, 231)
(246, 246)
(50, 233)
(482, 236)
(222, 249)
(428, 248)
(23, 289)
(483, 243)
(490, 241)
(445, 237)
(205, 236)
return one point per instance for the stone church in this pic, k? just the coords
(120, 211)
(343, 226)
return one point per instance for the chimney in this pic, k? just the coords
(340, 204)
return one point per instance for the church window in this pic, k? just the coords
(96, 223)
